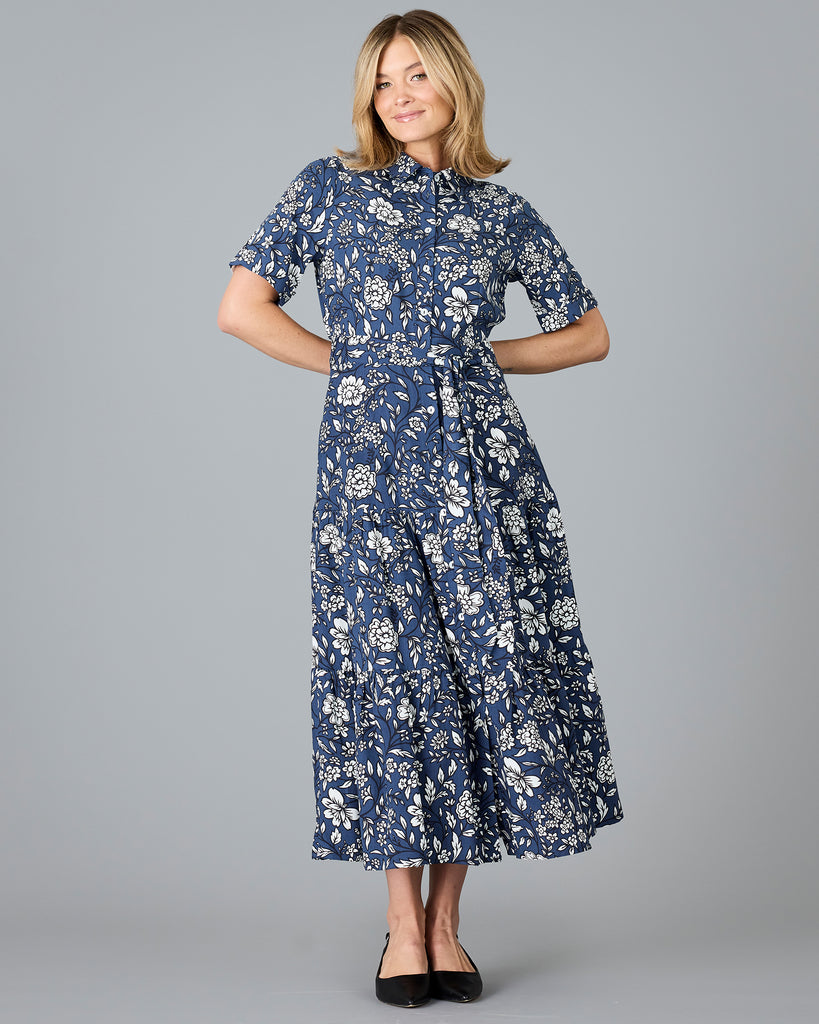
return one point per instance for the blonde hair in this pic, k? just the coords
(452, 74)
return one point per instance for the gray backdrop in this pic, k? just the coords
(157, 803)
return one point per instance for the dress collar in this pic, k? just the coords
(406, 166)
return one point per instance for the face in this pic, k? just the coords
(409, 108)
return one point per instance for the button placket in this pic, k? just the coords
(426, 271)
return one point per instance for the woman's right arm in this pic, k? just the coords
(250, 311)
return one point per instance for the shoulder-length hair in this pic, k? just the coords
(451, 72)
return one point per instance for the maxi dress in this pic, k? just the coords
(454, 703)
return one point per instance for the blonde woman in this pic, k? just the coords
(454, 702)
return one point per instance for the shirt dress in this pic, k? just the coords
(454, 703)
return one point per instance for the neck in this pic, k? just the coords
(428, 156)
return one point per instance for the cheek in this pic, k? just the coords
(437, 100)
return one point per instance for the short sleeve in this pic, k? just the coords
(555, 288)
(286, 241)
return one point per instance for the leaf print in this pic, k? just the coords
(455, 708)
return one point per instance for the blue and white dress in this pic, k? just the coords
(454, 701)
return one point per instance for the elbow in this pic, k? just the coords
(601, 347)
(235, 314)
(595, 335)
(225, 320)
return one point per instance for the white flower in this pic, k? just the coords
(467, 807)
(517, 780)
(514, 523)
(455, 497)
(360, 481)
(605, 769)
(351, 390)
(385, 211)
(470, 600)
(554, 522)
(505, 636)
(377, 292)
(535, 256)
(405, 710)
(564, 613)
(501, 447)
(459, 307)
(331, 536)
(381, 634)
(335, 709)
(482, 269)
(416, 812)
(467, 226)
(532, 621)
(340, 632)
(433, 548)
(381, 544)
(336, 811)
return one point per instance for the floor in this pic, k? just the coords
(233, 972)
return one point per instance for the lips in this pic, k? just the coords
(408, 117)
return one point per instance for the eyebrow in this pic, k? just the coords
(409, 67)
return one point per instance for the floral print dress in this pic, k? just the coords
(454, 701)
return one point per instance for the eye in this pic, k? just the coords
(418, 74)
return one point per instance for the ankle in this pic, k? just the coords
(405, 921)
(442, 924)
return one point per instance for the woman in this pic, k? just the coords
(454, 701)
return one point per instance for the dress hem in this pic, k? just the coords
(423, 860)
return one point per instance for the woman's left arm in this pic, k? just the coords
(583, 341)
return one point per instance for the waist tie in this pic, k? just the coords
(457, 444)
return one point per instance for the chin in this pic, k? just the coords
(413, 134)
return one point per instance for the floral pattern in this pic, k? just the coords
(454, 701)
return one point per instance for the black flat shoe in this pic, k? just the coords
(458, 986)
(402, 989)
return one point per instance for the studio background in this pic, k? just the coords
(159, 478)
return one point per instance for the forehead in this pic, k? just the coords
(397, 55)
